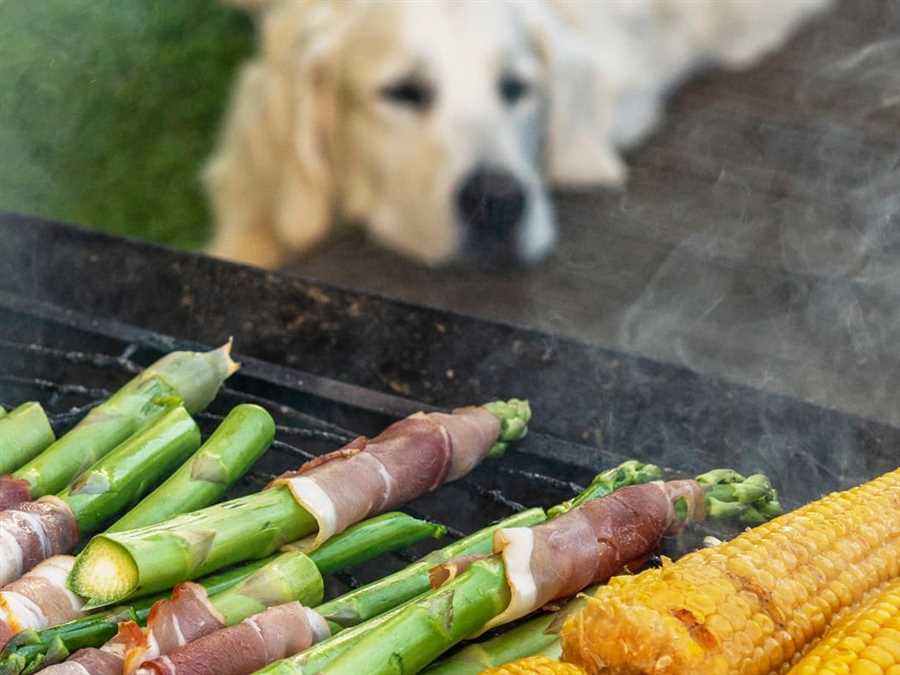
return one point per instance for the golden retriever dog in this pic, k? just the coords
(440, 124)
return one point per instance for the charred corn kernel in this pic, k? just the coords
(864, 641)
(751, 605)
(535, 665)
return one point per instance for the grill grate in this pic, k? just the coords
(70, 369)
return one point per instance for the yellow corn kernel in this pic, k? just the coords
(535, 665)
(775, 590)
(864, 641)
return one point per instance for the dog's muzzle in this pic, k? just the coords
(491, 204)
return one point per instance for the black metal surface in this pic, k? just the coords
(79, 313)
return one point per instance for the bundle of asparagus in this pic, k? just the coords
(367, 477)
(532, 567)
(166, 436)
(190, 379)
(372, 600)
(193, 612)
(123, 476)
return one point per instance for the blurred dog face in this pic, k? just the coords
(438, 124)
(434, 124)
(440, 131)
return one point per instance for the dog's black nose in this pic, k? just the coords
(491, 202)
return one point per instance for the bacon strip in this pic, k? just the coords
(409, 458)
(246, 647)
(13, 491)
(32, 532)
(590, 544)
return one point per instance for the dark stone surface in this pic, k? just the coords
(581, 393)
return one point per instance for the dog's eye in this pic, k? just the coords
(410, 92)
(513, 88)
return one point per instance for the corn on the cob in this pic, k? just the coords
(866, 642)
(749, 605)
(535, 665)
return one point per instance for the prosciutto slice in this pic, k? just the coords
(172, 623)
(39, 599)
(246, 647)
(591, 543)
(13, 491)
(34, 531)
(409, 458)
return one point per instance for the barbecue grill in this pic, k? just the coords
(81, 312)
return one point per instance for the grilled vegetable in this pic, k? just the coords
(127, 473)
(24, 433)
(188, 378)
(865, 641)
(228, 591)
(537, 636)
(241, 438)
(747, 605)
(119, 565)
(33, 531)
(369, 601)
(409, 641)
(535, 665)
(554, 560)
(359, 612)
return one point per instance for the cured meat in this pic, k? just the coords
(592, 543)
(39, 599)
(88, 662)
(246, 647)
(172, 623)
(13, 491)
(32, 532)
(409, 458)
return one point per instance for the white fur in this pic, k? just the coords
(310, 140)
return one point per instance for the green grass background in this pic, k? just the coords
(108, 109)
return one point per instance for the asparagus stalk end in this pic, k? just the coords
(112, 575)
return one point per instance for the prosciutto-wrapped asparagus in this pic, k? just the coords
(367, 477)
(39, 599)
(532, 567)
(245, 647)
(190, 614)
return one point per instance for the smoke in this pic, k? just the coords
(789, 279)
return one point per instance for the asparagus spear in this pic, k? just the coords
(119, 565)
(188, 378)
(24, 433)
(241, 438)
(228, 591)
(127, 473)
(437, 621)
(539, 635)
(2, 411)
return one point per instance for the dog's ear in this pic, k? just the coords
(272, 173)
(582, 100)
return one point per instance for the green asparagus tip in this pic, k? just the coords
(439, 531)
(514, 416)
(629, 472)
